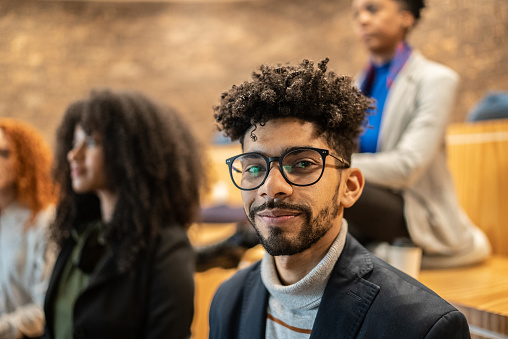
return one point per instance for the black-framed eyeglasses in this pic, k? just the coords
(302, 166)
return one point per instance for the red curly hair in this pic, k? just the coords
(32, 164)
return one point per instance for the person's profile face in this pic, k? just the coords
(290, 219)
(380, 24)
(86, 162)
(7, 170)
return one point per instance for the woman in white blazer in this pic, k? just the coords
(409, 190)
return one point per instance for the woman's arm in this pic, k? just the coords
(28, 320)
(171, 289)
(400, 167)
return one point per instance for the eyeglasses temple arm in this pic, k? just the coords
(341, 160)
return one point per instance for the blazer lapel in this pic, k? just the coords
(399, 98)
(107, 270)
(253, 313)
(52, 290)
(347, 297)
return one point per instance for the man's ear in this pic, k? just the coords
(353, 187)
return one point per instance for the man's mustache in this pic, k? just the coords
(271, 204)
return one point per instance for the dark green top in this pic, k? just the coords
(76, 275)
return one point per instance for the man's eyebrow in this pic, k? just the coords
(284, 151)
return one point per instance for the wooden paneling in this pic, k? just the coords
(478, 160)
(206, 284)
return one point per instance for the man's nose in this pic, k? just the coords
(275, 184)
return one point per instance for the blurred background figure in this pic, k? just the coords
(228, 252)
(494, 105)
(130, 175)
(409, 190)
(26, 209)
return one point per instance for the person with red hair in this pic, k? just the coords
(27, 197)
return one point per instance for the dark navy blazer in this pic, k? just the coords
(364, 298)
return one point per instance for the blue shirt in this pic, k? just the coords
(379, 91)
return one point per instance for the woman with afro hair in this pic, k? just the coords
(27, 199)
(409, 191)
(130, 176)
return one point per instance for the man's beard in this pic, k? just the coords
(313, 228)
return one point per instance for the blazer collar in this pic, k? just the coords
(52, 290)
(400, 98)
(255, 299)
(108, 270)
(347, 296)
(344, 304)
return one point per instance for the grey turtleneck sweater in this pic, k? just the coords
(293, 308)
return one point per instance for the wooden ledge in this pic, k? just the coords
(480, 292)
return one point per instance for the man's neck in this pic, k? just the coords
(292, 268)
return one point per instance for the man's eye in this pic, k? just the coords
(254, 169)
(302, 164)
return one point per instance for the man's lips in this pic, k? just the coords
(278, 215)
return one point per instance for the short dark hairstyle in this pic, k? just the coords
(331, 102)
(413, 6)
(147, 161)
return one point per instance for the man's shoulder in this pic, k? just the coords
(402, 297)
(234, 285)
(398, 286)
(394, 282)
(233, 297)
(396, 298)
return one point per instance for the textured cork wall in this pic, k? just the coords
(186, 53)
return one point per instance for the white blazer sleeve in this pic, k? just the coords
(401, 164)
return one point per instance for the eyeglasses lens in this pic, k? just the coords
(300, 167)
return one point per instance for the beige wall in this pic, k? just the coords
(186, 54)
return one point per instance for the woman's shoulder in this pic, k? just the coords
(172, 239)
(423, 68)
(172, 255)
(45, 216)
(173, 233)
(19, 214)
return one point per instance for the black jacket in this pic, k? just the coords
(153, 300)
(364, 298)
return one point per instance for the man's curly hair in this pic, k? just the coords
(331, 102)
(148, 162)
(32, 164)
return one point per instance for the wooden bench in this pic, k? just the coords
(478, 160)
(480, 292)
